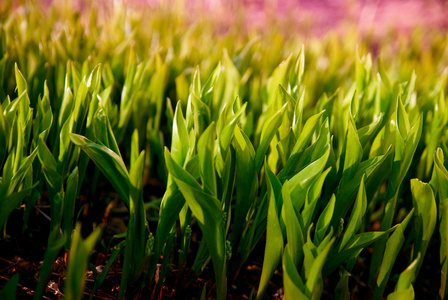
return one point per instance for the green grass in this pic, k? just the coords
(333, 156)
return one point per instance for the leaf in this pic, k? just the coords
(294, 231)
(302, 141)
(179, 146)
(246, 181)
(125, 110)
(10, 202)
(10, 288)
(359, 241)
(78, 259)
(434, 134)
(13, 180)
(318, 148)
(279, 76)
(393, 246)
(443, 211)
(404, 289)
(353, 153)
(227, 133)
(94, 81)
(54, 245)
(202, 258)
(49, 167)
(135, 236)
(356, 217)
(206, 208)
(3, 42)
(382, 72)
(345, 194)
(71, 193)
(274, 242)
(409, 89)
(134, 147)
(109, 163)
(302, 181)
(404, 153)
(369, 132)
(299, 69)
(196, 85)
(201, 114)
(171, 205)
(442, 188)
(402, 119)
(354, 105)
(4, 136)
(64, 146)
(411, 143)
(314, 282)
(20, 80)
(208, 88)
(298, 115)
(206, 156)
(442, 174)
(157, 88)
(269, 130)
(342, 291)
(324, 220)
(407, 294)
(204, 293)
(258, 228)
(81, 105)
(293, 284)
(425, 219)
(312, 198)
(113, 257)
(44, 117)
(103, 130)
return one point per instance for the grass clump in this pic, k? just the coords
(215, 153)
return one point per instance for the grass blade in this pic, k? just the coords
(110, 164)
(274, 248)
(206, 208)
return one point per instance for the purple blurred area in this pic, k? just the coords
(368, 16)
(375, 17)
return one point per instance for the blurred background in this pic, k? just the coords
(316, 17)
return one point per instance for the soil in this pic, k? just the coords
(21, 251)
